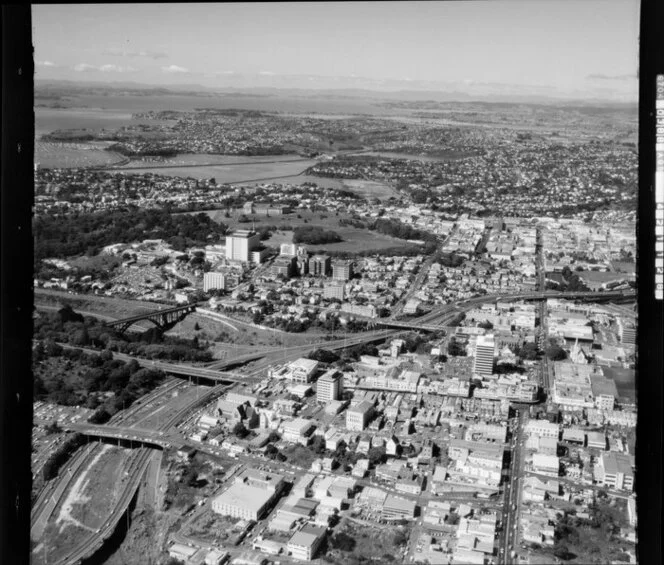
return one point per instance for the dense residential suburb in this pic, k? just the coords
(263, 337)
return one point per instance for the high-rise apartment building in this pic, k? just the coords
(214, 281)
(320, 265)
(342, 270)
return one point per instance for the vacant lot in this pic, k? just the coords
(362, 543)
(212, 528)
(101, 487)
(625, 380)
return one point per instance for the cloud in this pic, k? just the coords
(116, 69)
(45, 64)
(610, 77)
(175, 69)
(125, 53)
(84, 68)
(267, 73)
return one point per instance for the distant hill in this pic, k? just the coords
(48, 87)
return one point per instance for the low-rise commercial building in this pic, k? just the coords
(249, 496)
(358, 416)
(396, 508)
(305, 543)
(615, 470)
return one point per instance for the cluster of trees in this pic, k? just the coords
(87, 233)
(315, 235)
(61, 455)
(574, 283)
(398, 229)
(68, 326)
(342, 541)
(151, 150)
(354, 222)
(555, 352)
(527, 351)
(456, 348)
(324, 356)
(410, 250)
(592, 537)
(97, 374)
(450, 260)
(297, 326)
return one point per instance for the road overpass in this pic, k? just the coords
(125, 435)
(471, 302)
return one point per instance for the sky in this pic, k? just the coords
(583, 48)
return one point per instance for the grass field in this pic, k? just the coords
(232, 173)
(72, 155)
(354, 239)
(214, 160)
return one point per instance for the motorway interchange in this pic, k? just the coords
(117, 428)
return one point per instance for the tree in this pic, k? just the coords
(400, 538)
(52, 428)
(561, 551)
(67, 314)
(81, 337)
(455, 348)
(377, 455)
(342, 541)
(556, 353)
(453, 519)
(240, 430)
(324, 356)
(100, 416)
(318, 445)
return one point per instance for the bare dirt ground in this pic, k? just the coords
(77, 496)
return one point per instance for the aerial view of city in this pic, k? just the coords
(335, 283)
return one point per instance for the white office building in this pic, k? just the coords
(484, 354)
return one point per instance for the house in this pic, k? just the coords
(186, 452)
(182, 552)
(393, 447)
(364, 445)
(361, 468)
(216, 557)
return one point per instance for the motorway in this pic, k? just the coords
(512, 495)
